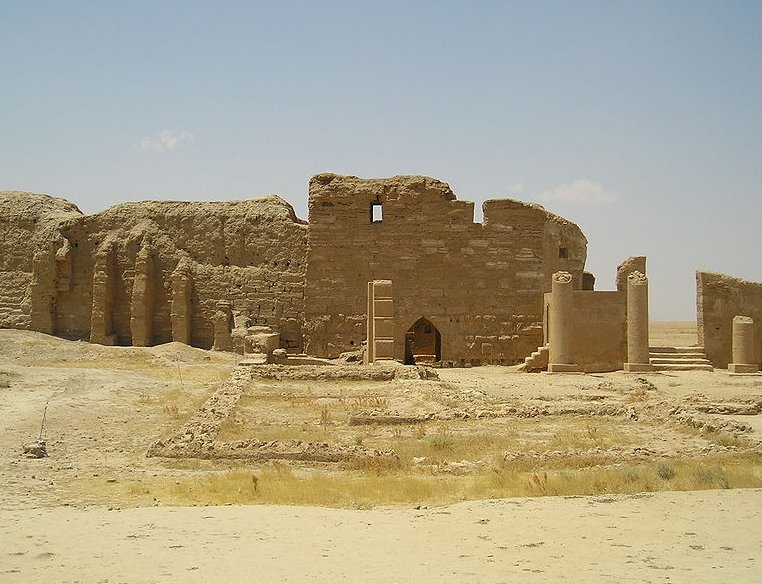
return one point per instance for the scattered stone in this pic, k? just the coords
(37, 449)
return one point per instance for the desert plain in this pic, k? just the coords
(326, 474)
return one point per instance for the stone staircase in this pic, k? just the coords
(538, 360)
(679, 359)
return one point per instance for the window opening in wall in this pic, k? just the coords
(376, 212)
(563, 253)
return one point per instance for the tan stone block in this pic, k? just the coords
(382, 289)
(743, 368)
(383, 328)
(564, 368)
(638, 367)
(384, 349)
(383, 308)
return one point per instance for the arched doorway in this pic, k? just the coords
(423, 343)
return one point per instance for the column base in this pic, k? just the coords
(743, 368)
(638, 367)
(564, 368)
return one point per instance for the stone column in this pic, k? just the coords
(561, 325)
(744, 348)
(637, 324)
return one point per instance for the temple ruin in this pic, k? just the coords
(396, 267)
(243, 275)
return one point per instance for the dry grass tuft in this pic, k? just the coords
(171, 410)
(373, 482)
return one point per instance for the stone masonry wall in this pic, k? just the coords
(599, 333)
(480, 285)
(718, 299)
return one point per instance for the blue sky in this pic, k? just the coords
(640, 121)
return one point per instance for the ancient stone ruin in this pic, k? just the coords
(730, 320)
(396, 267)
(250, 276)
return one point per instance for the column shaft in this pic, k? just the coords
(637, 324)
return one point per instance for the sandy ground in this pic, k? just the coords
(106, 405)
(709, 536)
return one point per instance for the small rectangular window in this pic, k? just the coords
(563, 253)
(376, 212)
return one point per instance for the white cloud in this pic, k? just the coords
(517, 188)
(582, 191)
(166, 140)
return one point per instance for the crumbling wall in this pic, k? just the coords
(480, 285)
(32, 251)
(719, 298)
(627, 267)
(151, 272)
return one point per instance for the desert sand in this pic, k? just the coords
(709, 536)
(76, 516)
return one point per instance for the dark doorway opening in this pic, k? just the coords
(423, 343)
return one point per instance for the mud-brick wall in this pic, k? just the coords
(15, 304)
(269, 297)
(719, 298)
(67, 274)
(480, 285)
(29, 226)
(250, 253)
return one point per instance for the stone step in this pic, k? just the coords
(538, 360)
(679, 361)
(678, 367)
(693, 350)
(696, 355)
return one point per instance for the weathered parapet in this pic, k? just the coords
(481, 285)
(745, 357)
(637, 324)
(720, 298)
